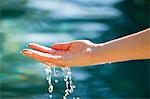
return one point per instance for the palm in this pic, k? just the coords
(79, 54)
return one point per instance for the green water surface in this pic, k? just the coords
(51, 21)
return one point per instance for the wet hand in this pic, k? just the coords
(75, 53)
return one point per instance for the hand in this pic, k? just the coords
(75, 53)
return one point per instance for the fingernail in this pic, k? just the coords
(30, 44)
(26, 52)
(21, 52)
(27, 45)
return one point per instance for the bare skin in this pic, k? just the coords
(85, 53)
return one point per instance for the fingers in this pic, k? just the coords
(61, 46)
(39, 56)
(41, 48)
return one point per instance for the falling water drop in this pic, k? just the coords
(56, 80)
(50, 96)
(68, 81)
(67, 78)
(48, 71)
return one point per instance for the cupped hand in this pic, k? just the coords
(75, 53)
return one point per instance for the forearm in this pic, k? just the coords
(132, 47)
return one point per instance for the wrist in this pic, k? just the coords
(99, 56)
(104, 53)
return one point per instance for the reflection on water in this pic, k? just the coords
(51, 21)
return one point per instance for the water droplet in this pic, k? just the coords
(56, 81)
(50, 96)
(75, 98)
(64, 97)
(50, 88)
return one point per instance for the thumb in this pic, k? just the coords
(61, 46)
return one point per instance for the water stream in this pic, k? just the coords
(69, 86)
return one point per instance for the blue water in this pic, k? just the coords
(51, 21)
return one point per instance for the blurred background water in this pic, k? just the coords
(51, 21)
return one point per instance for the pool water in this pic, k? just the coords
(50, 21)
